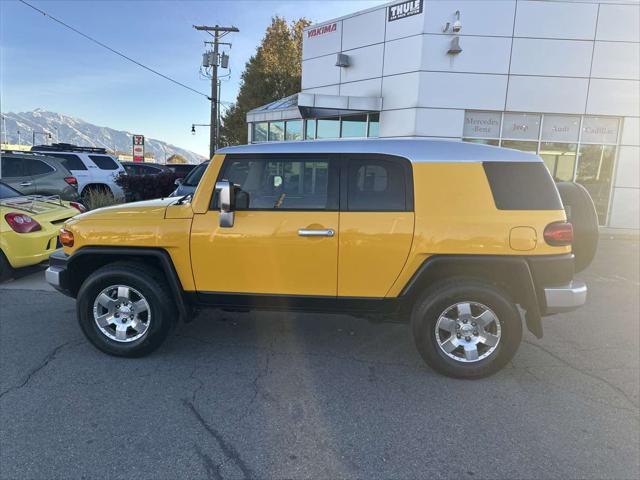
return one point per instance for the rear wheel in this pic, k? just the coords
(466, 329)
(126, 310)
(6, 272)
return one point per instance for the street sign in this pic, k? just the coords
(138, 148)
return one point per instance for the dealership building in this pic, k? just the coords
(559, 78)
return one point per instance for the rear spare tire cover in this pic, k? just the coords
(581, 212)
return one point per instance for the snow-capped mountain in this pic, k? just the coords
(66, 129)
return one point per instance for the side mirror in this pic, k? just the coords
(226, 200)
(178, 181)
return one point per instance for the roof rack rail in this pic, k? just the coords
(67, 147)
(8, 151)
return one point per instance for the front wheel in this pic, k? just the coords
(125, 310)
(466, 329)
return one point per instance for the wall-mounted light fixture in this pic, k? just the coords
(454, 47)
(342, 60)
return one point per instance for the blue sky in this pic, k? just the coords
(44, 65)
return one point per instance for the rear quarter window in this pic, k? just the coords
(37, 167)
(522, 186)
(69, 160)
(104, 162)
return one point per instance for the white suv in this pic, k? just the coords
(94, 168)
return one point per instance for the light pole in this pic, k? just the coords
(165, 153)
(194, 125)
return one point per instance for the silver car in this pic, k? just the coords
(188, 184)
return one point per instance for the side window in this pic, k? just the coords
(376, 185)
(70, 161)
(282, 184)
(38, 167)
(14, 167)
(104, 162)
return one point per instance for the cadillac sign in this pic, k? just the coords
(405, 9)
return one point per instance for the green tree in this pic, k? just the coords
(272, 73)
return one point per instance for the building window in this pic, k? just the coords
(603, 130)
(561, 128)
(354, 126)
(328, 128)
(374, 125)
(560, 159)
(483, 141)
(293, 130)
(482, 125)
(259, 133)
(574, 148)
(521, 126)
(310, 129)
(276, 131)
(520, 145)
(595, 170)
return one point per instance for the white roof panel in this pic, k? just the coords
(414, 149)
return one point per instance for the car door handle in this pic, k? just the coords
(305, 232)
(26, 184)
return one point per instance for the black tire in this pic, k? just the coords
(438, 299)
(151, 284)
(6, 271)
(581, 212)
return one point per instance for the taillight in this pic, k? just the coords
(73, 181)
(78, 206)
(66, 238)
(21, 223)
(559, 234)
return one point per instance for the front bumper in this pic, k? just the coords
(565, 298)
(57, 275)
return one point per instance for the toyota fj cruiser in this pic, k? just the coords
(462, 240)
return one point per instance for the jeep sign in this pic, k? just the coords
(405, 9)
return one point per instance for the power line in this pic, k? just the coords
(115, 51)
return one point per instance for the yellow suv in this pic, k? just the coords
(462, 240)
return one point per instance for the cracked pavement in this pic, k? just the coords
(275, 395)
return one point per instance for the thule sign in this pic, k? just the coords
(405, 9)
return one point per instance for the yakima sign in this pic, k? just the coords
(405, 9)
(138, 148)
(314, 32)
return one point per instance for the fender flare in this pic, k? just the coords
(126, 253)
(511, 272)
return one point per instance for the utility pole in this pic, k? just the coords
(217, 30)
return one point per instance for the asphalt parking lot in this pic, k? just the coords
(269, 395)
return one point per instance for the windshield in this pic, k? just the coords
(195, 175)
(7, 192)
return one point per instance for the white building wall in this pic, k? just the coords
(542, 56)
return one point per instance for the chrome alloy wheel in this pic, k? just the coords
(468, 332)
(122, 313)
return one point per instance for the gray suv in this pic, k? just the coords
(33, 174)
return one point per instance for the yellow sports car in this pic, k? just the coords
(29, 227)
